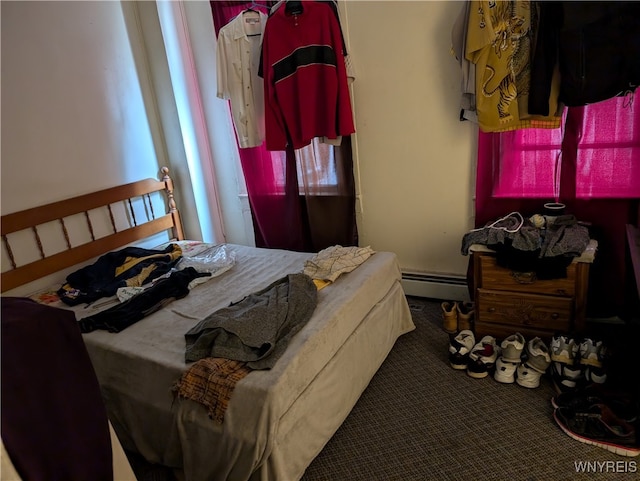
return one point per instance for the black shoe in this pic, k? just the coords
(620, 404)
(599, 426)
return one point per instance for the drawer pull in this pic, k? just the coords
(524, 277)
(555, 316)
(492, 309)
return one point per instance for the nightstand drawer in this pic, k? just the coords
(524, 311)
(499, 278)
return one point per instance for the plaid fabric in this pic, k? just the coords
(210, 382)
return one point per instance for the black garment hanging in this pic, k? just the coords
(596, 46)
(293, 7)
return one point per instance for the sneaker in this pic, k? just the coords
(621, 404)
(536, 355)
(459, 349)
(465, 315)
(592, 353)
(595, 375)
(528, 376)
(512, 347)
(505, 370)
(599, 426)
(482, 357)
(563, 349)
(449, 317)
(566, 377)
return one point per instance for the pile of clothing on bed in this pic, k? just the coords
(144, 280)
(225, 346)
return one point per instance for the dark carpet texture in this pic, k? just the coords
(421, 420)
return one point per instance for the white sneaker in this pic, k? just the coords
(536, 355)
(595, 375)
(527, 376)
(563, 349)
(459, 349)
(512, 347)
(482, 357)
(591, 353)
(566, 377)
(505, 370)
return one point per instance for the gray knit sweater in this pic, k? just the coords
(258, 328)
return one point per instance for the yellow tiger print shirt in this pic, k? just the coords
(499, 41)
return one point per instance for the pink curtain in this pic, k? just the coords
(591, 164)
(303, 199)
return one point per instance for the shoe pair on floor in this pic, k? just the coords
(457, 316)
(478, 359)
(599, 417)
(577, 362)
(522, 362)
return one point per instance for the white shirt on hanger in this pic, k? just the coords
(238, 60)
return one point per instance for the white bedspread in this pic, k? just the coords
(357, 320)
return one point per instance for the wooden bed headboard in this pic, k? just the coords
(137, 229)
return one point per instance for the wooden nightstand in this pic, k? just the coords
(507, 302)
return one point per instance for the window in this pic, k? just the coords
(316, 168)
(603, 137)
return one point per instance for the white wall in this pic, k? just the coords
(415, 157)
(73, 117)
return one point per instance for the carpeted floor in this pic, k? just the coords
(421, 420)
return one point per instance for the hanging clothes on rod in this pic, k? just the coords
(305, 81)
(238, 61)
(255, 5)
(251, 7)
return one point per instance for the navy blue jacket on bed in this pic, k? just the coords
(121, 316)
(131, 266)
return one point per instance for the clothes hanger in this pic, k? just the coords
(254, 6)
(250, 8)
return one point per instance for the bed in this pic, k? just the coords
(278, 419)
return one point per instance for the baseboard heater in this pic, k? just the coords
(435, 286)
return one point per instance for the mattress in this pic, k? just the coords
(278, 420)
